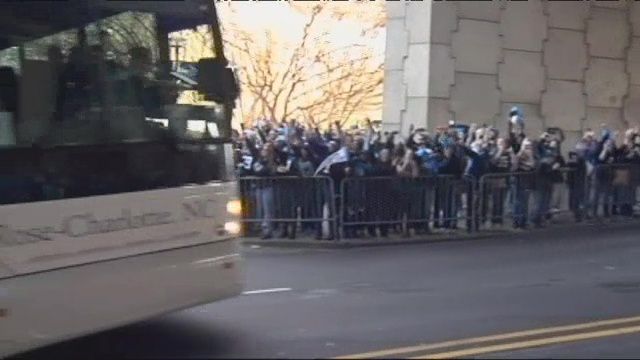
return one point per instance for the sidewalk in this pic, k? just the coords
(439, 236)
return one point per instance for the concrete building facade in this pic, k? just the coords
(567, 64)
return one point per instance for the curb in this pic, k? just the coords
(310, 243)
(357, 243)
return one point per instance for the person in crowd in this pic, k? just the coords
(546, 165)
(385, 208)
(523, 183)
(305, 164)
(576, 184)
(588, 150)
(452, 166)
(266, 166)
(501, 163)
(478, 154)
(557, 176)
(603, 193)
(515, 126)
(624, 177)
(408, 169)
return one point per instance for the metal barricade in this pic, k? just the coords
(288, 203)
(383, 202)
(506, 195)
(379, 206)
(455, 202)
(612, 190)
(369, 205)
(529, 197)
(494, 191)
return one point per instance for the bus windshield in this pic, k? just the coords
(89, 86)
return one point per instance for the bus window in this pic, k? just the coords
(10, 57)
(120, 33)
(188, 47)
(39, 49)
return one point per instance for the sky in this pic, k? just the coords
(282, 19)
(286, 24)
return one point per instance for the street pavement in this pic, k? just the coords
(335, 302)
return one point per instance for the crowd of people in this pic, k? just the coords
(290, 148)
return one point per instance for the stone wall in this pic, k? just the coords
(573, 65)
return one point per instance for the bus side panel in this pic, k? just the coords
(54, 234)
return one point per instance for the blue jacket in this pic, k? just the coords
(589, 153)
(478, 162)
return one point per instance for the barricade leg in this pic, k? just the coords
(516, 207)
(477, 200)
(626, 208)
(556, 199)
(319, 195)
(592, 197)
(616, 200)
(543, 199)
(602, 199)
(260, 213)
(449, 205)
(471, 210)
(608, 200)
(437, 209)
(630, 201)
(483, 206)
(328, 228)
(521, 205)
(497, 205)
(388, 205)
(349, 211)
(457, 206)
(525, 207)
(417, 207)
(371, 199)
(428, 205)
(404, 208)
(577, 195)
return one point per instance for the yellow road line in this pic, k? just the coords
(531, 343)
(506, 336)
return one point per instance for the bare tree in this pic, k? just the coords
(311, 79)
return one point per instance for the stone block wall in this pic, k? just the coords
(573, 65)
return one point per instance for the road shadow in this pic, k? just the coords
(161, 338)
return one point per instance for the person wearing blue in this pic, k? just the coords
(478, 164)
(603, 194)
(588, 149)
(452, 165)
(429, 161)
(547, 163)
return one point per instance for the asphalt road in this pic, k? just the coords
(329, 303)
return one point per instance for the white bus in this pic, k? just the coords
(116, 196)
